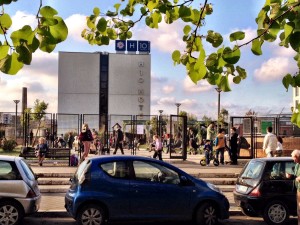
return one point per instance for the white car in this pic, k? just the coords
(19, 191)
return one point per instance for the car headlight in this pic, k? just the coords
(214, 188)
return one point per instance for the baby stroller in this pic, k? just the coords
(212, 156)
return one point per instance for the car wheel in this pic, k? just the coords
(206, 214)
(276, 213)
(10, 213)
(90, 214)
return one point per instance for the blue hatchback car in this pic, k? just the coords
(127, 188)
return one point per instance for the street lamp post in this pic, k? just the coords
(16, 101)
(178, 105)
(219, 99)
(160, 122)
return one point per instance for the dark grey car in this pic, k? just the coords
(263, 190)
(19, 192)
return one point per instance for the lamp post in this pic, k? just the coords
(219, 99)
(159, 122)
(178, 105)
(16, 101)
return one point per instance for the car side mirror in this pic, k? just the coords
(184, 181)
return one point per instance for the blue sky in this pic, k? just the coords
(262, 91)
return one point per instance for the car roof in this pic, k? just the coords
(272, 159)
(9, 157)
(104, 158)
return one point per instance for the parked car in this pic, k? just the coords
(262, 190)
(126, 188)
(19, 191)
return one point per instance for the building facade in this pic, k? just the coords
(104, 83)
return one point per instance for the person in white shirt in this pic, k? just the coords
(270, 143)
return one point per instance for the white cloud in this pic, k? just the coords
(168, 89)
(201, 86)
(166, 101)
(22, 18)
(166, 39)
(76, 23)
(274, 69)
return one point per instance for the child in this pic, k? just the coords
(41, 150)
(207, 151)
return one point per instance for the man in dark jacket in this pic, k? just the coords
(119, 141)
(233, 146)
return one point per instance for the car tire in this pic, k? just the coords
(276, 213)
(91, 214)
(206, 214)
(11, 213)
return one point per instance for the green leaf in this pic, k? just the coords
(231, 56)
(274, 29)
(5, 22)
(237, 79)
(294, 118)
(151, 5)
(184, 11)
(25, 55)
(287, 80)
(176, 56)
(256, 47)
(3, 51)
(288, 29)
(104, 40)
(239, 35)
(48, 12)
(96, 11)
(59, 31)
(294, 41)
(214, 38)
(102, 24)
(187, 29)
(10, 64)
(224, 84)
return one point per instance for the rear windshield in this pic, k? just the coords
(27, 170)
(253, 170)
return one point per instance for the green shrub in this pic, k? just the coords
(9, 145)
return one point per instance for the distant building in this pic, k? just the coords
(104, 83)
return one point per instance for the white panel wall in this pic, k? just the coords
(127, 75)
(78, 83)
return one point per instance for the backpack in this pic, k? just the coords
(74, 160)
(243, 143)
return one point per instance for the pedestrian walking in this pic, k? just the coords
(270, 143)
(119, 140)
(220, 145)
(85, 138)
(158, 147)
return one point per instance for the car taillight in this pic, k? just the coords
(30, 194)
(255, 192)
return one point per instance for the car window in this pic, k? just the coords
(117, 169)
(27, 170)
(152, 172)
(278, 170)
(8, 171)
(253, 170)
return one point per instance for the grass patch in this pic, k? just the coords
(15, 152)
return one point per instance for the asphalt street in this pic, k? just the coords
(234, 220)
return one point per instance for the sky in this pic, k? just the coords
(261, 92)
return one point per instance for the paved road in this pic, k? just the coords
(234, 220)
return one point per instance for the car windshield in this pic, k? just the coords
(253, 170)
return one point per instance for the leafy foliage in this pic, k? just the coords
(278, 19)
(9, 145)
(22, 43)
